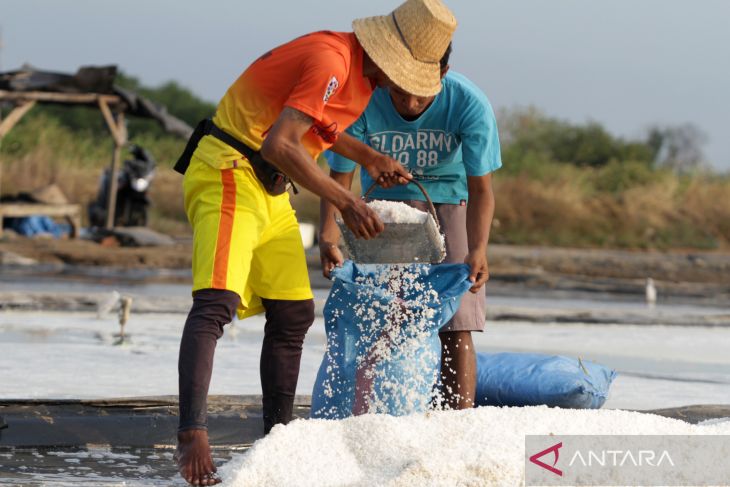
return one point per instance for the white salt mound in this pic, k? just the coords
(482, 446)
(397, 212)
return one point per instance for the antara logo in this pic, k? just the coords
(554, 449)
(619, 458)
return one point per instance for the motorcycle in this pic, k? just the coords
(133, 182)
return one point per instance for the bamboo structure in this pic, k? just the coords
(112, 109)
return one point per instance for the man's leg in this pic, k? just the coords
(227, 211)
(279, 275)
(286, 324)
(458, 369)
(212, 309)
(458, 357)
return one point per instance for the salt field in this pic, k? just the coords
(45, 355)
(76, 355)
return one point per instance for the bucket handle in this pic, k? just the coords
(431, 208)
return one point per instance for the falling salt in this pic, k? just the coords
(397, 346)
(398, 342)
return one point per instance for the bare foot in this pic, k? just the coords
(194, 461)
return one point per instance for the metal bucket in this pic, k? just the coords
(399, 243)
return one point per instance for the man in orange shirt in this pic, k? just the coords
(290, 105)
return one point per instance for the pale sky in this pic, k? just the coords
(627, 64)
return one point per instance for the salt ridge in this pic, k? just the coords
(482, 446)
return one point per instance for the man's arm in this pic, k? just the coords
(329, 233)
(479, 214)
(283, 148)
(384, 170)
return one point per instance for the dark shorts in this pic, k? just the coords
(452, 220)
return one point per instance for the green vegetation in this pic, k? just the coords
(181, 102)
(562, 184)
(577, 185)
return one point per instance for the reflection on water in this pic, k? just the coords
(95, 465)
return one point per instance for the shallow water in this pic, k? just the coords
(43, 353)
(101, 466)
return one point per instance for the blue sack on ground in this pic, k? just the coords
(31, 226)
(383, 352)
(531, 379)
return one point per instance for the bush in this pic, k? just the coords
(618, 176)
(527, 132)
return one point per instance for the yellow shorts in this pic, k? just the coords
(244, 240)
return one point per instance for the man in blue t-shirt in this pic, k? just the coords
(449, 142)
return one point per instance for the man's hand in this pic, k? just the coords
(330, 256)
(363, 221)
(478, 269)
(387, 172)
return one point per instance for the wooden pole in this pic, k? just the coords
(1, 168)
(111, 205)
(52, 97)
(118, 130)
(14, 116)
(8, 123)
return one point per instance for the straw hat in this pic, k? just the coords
(409, 43)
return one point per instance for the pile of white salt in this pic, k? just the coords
(397, 212)
(482, 446)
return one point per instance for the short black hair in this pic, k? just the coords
(445, 57)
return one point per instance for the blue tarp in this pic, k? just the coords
(36, 224)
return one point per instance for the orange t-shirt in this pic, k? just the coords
(319, 74)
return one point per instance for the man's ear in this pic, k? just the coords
(444, 70)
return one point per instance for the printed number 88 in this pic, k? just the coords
(427, 158)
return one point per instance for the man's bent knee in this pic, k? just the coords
(289, 318)
(213, 308)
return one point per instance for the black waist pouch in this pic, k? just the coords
(274, 181)
(184, 160)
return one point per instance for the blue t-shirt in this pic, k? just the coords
(454, 138)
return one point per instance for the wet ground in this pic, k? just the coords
(101, 466)
(115, 442)
(106, 443)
